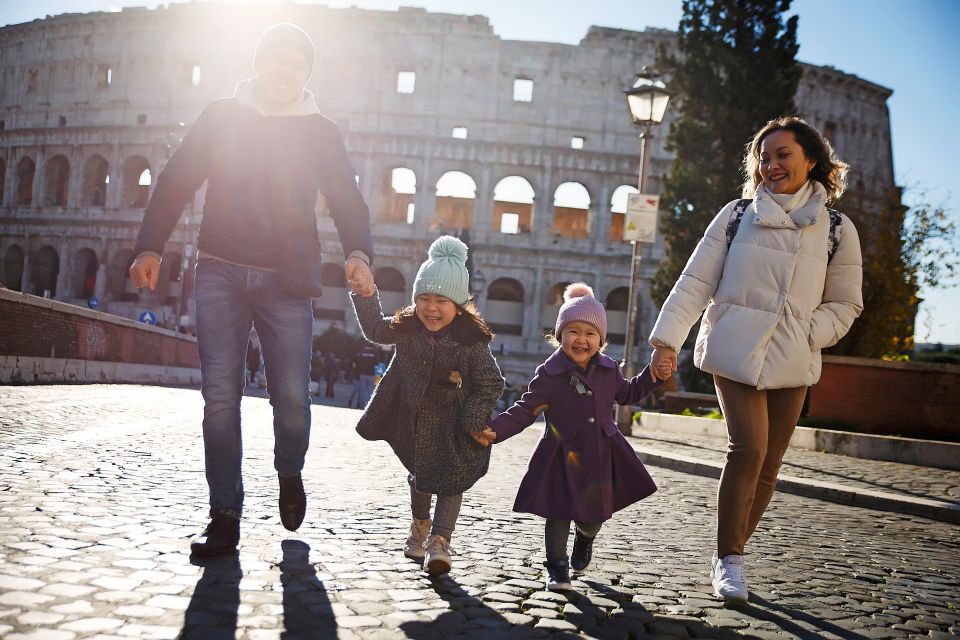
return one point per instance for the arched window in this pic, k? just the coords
(25, 172)
(393, 289)
(618, 210)
(617, 302)
(118, 277)
(13, 268)
(551, 306)
(513, 205)
(335, 298)
(44, 272)
(84, 275)
(56, 178)
(504, 308)
(456, 195)
(571, 211)
(137, 180)
(96, 177)
(398, 205)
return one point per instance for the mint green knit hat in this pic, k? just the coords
(445, 271)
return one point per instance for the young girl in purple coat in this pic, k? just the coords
(583, 470)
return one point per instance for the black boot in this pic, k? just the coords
(293, 502)
(220, 538)
(582, 551)
(558, 574)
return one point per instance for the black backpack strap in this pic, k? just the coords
(833, 240)
(733, 225)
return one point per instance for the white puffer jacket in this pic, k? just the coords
(772, 300)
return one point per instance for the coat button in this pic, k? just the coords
(591, 420)
(589, 393)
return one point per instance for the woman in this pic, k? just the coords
(780, 278)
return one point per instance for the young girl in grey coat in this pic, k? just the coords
(442, 384)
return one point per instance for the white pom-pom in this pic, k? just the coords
(448, 247)
(577, 290)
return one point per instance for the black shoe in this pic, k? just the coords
(293, 502)
(582, 551)
(558, 575)
(220, 538)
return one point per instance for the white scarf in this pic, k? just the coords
(245, 95)
(789, 211)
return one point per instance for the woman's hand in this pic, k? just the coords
(663, 363)
(484, 438)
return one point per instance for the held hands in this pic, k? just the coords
(359, 277)
(144, 272)
(663, 363)
(484, 438)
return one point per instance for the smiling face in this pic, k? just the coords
(282, 73)
(435, 312)
(580, 341)
(783, 165)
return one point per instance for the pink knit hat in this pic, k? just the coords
(579, 304)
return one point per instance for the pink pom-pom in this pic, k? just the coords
(577, 290)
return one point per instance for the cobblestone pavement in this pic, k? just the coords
(858, 473)
(101, 485)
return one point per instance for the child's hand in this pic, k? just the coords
(664, 370)
(484, 438)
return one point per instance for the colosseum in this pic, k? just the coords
(525, 147)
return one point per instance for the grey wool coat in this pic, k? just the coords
(421, 414)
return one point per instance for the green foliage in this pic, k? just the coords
(338, 341)
(712, 414)
(735, 69)
(904, 250)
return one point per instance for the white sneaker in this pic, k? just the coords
(436, 560)
(729, 582)
(419, 530)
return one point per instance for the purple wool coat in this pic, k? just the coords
(583, 468)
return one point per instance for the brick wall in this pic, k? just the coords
(889, 398)
(33, 327)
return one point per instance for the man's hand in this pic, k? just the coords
(663, 363)
(359, 277)
(484, 438)
(144, 272)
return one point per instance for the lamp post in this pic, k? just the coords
(647, 100)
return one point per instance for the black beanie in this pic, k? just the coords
(286, 34)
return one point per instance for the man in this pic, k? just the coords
(265, 153)
(366, 363)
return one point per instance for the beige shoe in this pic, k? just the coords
(437, 558)
(419, 529)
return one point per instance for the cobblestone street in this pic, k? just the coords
(100, 487)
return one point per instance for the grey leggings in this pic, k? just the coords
(557, 532)
(447, 511)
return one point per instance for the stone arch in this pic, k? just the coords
(84, 276)
(56, 181)
(398, 196)
(137, 180)
(513, 205)
(44, 272)
(571, 211)
(96, 178)
(119, 285)
(332, 305)
(13, 268)
(393, 289)
(618, 210)
(504, 307)
(456, 196)
(26, 170)
(617, 304)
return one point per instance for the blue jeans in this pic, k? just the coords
(229, 298)
(366, 390)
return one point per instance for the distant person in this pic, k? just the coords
(426, 412)
(265, 153)
(780, 277)
(253, 361)
(331, 372)
(365, 364)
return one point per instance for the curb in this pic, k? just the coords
(938, 510)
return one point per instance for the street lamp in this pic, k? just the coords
(647, 100)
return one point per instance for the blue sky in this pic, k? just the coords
(906, 45)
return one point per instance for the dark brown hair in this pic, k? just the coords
(468, 327)
(829, 170)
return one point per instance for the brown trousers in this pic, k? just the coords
(759, 426)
